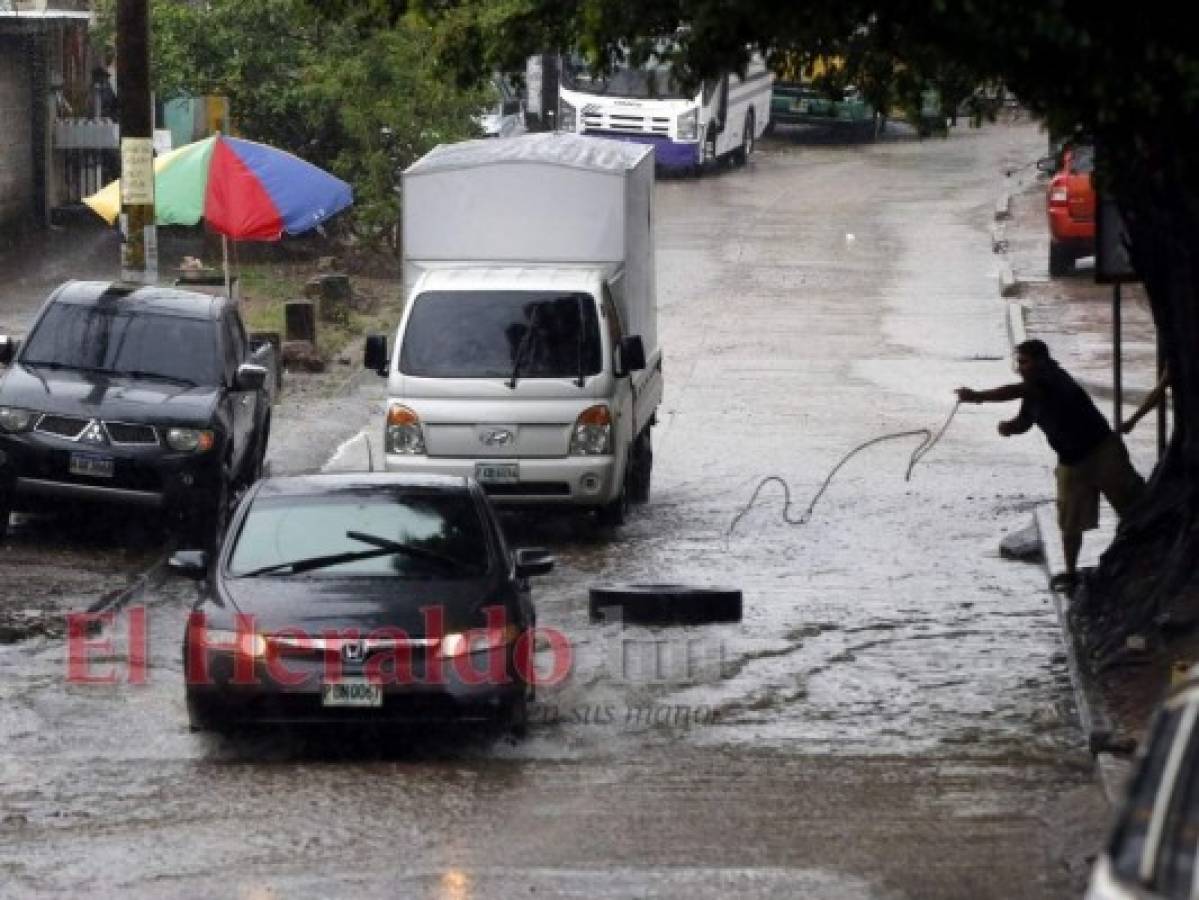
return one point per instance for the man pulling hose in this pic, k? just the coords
(1091, 457)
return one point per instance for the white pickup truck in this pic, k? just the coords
(527, 356)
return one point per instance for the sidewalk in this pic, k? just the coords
(1073, 315)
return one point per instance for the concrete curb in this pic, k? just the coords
(1016, 333)
(1008, 285)
(998, 238)
(1092, 711)
(1003, 206)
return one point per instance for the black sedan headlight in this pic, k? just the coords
(14, 420)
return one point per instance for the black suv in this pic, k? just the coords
(143, 396)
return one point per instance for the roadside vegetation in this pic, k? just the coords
(267, 286)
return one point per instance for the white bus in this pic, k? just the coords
(646, 105)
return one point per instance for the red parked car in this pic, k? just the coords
(1070, 202)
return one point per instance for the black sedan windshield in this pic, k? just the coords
(483, 334)
(439, 534)
(109, 339)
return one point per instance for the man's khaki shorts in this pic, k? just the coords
(1106, 470)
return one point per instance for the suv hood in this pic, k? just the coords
(69, 392)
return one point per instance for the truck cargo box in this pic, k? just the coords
(539, 199)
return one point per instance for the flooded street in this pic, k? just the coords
(891, 717)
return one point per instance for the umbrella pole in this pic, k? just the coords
(225, 261)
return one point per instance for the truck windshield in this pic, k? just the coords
(109, 339)
(483, 334)
(652, 81)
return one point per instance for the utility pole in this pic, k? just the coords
(139, 236)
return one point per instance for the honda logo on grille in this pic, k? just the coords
(353, 651)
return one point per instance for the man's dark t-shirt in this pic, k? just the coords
(1063, 411)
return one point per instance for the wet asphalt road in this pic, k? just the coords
(890, 719)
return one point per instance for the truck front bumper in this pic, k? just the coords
(35, 474)
(584, 481)
(668, 153)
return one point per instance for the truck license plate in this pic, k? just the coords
(352, 693)
(91, 466)
(497, 473)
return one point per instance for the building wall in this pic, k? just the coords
(16, 138)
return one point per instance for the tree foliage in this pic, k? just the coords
(351, 95)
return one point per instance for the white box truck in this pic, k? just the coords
(527, 356)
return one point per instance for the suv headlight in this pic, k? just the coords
(189, 440)
(403, 433)
(13, 420)
(688, 125)
(592, 434)
(567, 116)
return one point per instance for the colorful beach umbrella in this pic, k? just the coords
(241, 189)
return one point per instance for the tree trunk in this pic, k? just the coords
(1149, 576)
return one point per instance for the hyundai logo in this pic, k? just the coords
(353, 651)
(496, 437)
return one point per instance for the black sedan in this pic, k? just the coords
(361, 597)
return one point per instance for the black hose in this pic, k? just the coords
(929, 441)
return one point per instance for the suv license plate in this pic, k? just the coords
(91, 466)
(352, 693)
(497, 473)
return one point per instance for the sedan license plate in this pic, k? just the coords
(352, 693)
(91, 466)
(497, 473)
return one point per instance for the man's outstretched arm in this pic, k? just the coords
(1003, 394)
(1018, 425)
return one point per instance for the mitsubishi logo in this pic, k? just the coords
(93, 433)
(496, 437)
(353, 651)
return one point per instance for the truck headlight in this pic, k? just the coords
(13, 420)
(403, 433)
(568, 117)
(188, 440)
(688, 125)
(592, 435)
